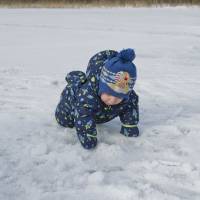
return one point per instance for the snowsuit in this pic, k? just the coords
(81, 106)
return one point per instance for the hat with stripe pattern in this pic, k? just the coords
(118, 75)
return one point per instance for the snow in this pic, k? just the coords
(41, 160)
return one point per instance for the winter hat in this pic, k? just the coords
(118, 75)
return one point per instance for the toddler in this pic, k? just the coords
(103, 93)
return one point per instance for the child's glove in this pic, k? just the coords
(88, 141)
(130, 130)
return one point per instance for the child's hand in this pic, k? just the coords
(130, 131)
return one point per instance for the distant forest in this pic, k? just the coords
(88, 3)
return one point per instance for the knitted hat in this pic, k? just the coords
(118, 75)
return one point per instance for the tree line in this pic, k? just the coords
(100, 2)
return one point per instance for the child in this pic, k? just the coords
(103, 93)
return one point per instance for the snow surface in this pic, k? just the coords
(41, 160)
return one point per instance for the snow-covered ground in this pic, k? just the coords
(41, 160)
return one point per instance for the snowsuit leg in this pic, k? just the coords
(64, 113)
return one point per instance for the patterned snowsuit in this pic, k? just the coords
(80, 105)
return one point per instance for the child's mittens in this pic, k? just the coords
(88, 141)
(130, 130)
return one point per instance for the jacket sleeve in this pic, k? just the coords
(84, 118)
(130, 117)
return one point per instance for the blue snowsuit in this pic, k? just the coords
(81, 106)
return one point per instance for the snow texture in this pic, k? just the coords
(41, 160)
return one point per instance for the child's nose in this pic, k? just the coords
(112, 100)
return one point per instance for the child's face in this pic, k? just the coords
(110, 100)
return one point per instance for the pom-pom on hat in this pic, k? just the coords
(118, 75)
